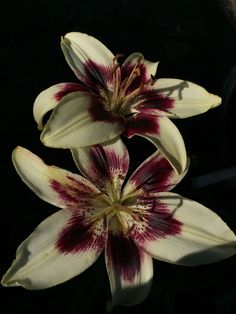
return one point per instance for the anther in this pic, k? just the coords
(119, 55)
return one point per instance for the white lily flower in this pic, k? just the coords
(133, 222)
(112, 100)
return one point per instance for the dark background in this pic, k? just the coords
(194, 40)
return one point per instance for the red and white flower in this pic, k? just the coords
(133, 223)
(112, 100)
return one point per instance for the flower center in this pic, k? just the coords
(127, 215)
(120, 99)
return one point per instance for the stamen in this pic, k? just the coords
(135, 73)
(115, 79)
(133, 94)
(128, 211)
(116, 66)
(117, 56)
(122, 97)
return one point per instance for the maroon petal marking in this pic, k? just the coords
(150, 101)
(98, 112)
(78, 237)
(141, 124)
(97, 75)
(154, 175)
(124, 256)
(158, 221)
(100, 163)
(74, 193)
(105, 165)
(68, 88)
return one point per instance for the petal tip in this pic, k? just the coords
(8, 281)
(4, 282)
(217, 101)
(17, 151)
(45, 137)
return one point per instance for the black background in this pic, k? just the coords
(194, 40)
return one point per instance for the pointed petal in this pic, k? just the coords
(80, 120)
(181, 231)
(189, 99)
(90, 60)
(54, 185)
(45, 258)
(105, 165)
(163, 134)
(49, 98)
(130, 269)
(155, 174)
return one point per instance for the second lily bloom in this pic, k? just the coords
(112, 100)
(132, 220)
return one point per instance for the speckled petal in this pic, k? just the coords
(47, 257)
(54, 185)
(181, 231)
(155, 174)
(105, 165)
(130, 269)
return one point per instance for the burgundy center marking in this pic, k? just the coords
(124, 255)
(150, 99)
(99, 113)
(76, 193)
(160, 221)
(105, 164)
(79, 237)
(97, 75)
(100, 164)
(154, 175)
(68, 88)
(142, 124)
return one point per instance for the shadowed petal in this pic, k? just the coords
(45, 259)
(105, 165)
(130, 269)
(189, 99)
(163, 134)
(155, 174)
(54, 185)
(152, 102)
(90, 60)
(181, 231)
(49, 98)
(80, 120)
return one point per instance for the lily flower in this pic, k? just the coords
(133, 222)
(112, 100)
